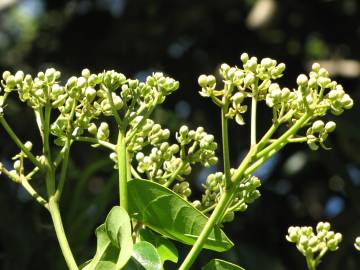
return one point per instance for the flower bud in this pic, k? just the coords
(302, 80)
(238, 98)
(249, 79)
(244, 57)
(323, 82)
(211, 80)
(267, 62)
(347, 101)
(19, 77)
(224, 67)
(6, 74)
(28, 145)
(17, 166)
(90, 94)
(92, 129)
(184, 130)
(318, 126)
(103, 131)
(330, 126)
(202, 80)
(357, 243)
(81, 82)
(10, 81)
(315, 67)
(85, 73)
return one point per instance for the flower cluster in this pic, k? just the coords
(314, 246)
(166, 162)
(252, 80)
(247, 192)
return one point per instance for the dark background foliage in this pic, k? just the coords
(185, 39)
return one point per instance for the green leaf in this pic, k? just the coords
(217, 264)
(106, 254)
(118, 228)
(167, 213)
(144, 257)
(114, 242)
(165, 248)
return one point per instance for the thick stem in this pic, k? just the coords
(225, 147)
(63, 171)
(122, 169)
(213, 220)
(60, 234)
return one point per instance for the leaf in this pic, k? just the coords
(106, 254)
(167, 213)
(114, 242)
(118, 228)
(217, 264)
(144, 257)
(165, 248)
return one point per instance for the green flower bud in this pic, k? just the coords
(318, 126)
(41, 75)
(231, 72)
(249, 79)
(267, 62)
(103, 131)
(90, 93)
(92, 129)
(224, 67)
(72, 81)
(202, 80)
(85, 73)
(251, 64)
(347, 102)
(330, 126)
(50, 74)
(81, 82)
(302, 80)
(6, 74)
(323, 82)
(312, 83)
(229, 216)
(323, 72)
(211, 80)
(315, 67)
(183, 131)
(10, 81)
(238, 98)
(244, 57)
(285, 93)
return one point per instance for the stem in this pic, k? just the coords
(175, 174)
(63, 171)
(95, 141)
(253, 121)
(60, 234)
(17, 141)
(283, 138)
(33, 193)
(225, 146)
(122, 165)
(195, 250)
(113, 109)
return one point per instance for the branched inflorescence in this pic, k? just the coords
(314, 245)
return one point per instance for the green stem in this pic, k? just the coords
(123, 172)
(253, 121)
(17, 141)
(33, 193)
(95, 141)
(175, 174)
(225, 145)
(60, 233)
(113, 109)
(217, 213)
(63, 171)
(283, 138)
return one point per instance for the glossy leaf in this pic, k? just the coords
(170, 215)
(217, 264)
(165, 248)
(114, 242)
(118, 228)
(144, 257)
(106, 254)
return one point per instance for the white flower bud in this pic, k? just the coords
(224, 67)
(211, 80)
(268, 62)
(92, 129)
(85, 73)
(6, 74)
(238, 97)
(323, 82)
(184, 130)
(249, 79)
(244, 57)
(17, 165)
(202, 80)
(81, 81)
(318, 126)
(315, 67)
(28, 145)
(330, 126)
(19, 77)
(302, 80)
